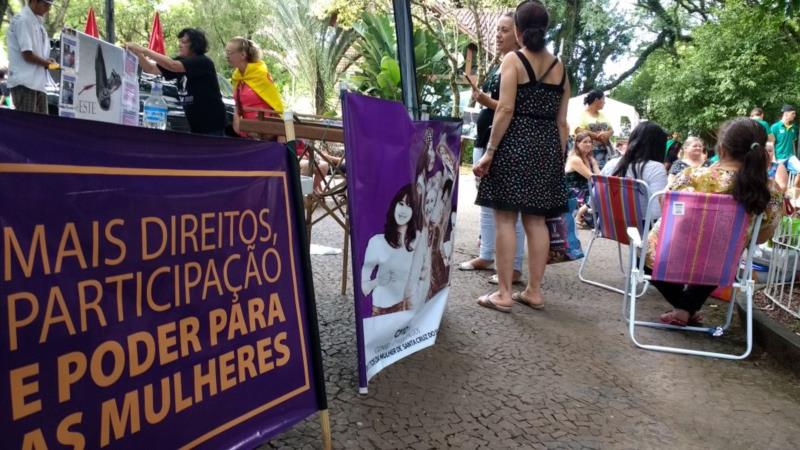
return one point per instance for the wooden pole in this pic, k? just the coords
(325, 421)
(288, 121)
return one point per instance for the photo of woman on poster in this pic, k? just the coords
(437, 226)
(389, 256)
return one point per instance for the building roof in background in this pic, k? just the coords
(488, 24)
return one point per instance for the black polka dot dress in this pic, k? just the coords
(527, 171)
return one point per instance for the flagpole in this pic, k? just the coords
(110, 35)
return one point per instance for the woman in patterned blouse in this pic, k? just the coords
(741, 172)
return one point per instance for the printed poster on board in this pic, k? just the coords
(99, 81)
(156, 289)
(402, 186)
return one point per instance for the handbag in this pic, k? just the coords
(564, 242)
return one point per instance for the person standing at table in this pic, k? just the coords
(253, 87)
(198, 87)
(29, 57)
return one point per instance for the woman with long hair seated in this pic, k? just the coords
(741, 172)
(578, 170)
(643, 161)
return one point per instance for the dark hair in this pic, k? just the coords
(2, 73)
(593, 96)
(531, 20)
(198, 43)
(447, 188)
(390, 232)
(646, 143)
(757, 111)
(744, 140)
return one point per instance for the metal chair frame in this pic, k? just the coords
(744, 283)
(597, 233)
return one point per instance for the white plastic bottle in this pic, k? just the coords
(155, 108)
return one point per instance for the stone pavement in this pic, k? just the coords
(564, 377)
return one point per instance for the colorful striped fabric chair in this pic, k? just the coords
(700, 242)
(616, 205)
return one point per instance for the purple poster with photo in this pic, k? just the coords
(155, 289)
(403, 180)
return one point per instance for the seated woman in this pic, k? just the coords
(578, 170)
(643, 161)
(741, 172)
(693, 154)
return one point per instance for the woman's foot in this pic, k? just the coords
(530, 297)
(496, 302)
(476, 264)
(677, 317)
(515, 279)
(697, 319)
(581, 223)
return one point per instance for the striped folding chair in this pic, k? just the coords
(616, 205)
(700, 242)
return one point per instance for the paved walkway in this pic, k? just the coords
(564, 377)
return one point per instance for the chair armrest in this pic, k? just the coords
(634, 237)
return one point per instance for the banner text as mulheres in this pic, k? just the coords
(179, 260)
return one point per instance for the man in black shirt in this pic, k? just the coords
(196, 76)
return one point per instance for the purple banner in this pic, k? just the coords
(403, 181)
(154, 289)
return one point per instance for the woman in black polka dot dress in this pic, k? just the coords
(522, 169)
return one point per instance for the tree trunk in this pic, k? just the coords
(319, 94)
(569, 35)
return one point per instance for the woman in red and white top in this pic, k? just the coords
(253, 88)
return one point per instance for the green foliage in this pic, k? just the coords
(224, 20)
(132, 18)
(467, 149)
(377, 46)
(378, 72)
(309, 49)
(349, 12)
(723, 72)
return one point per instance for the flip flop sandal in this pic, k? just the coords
(486, 302)
(517, 297)
(669, 318)
(495, 280)
(467, 266)
(697, 319)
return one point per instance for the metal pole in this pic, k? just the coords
(405, 56)
(110, 35)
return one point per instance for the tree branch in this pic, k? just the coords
(655, 45)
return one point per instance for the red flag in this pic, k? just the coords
(156, 43)
(91, 25)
